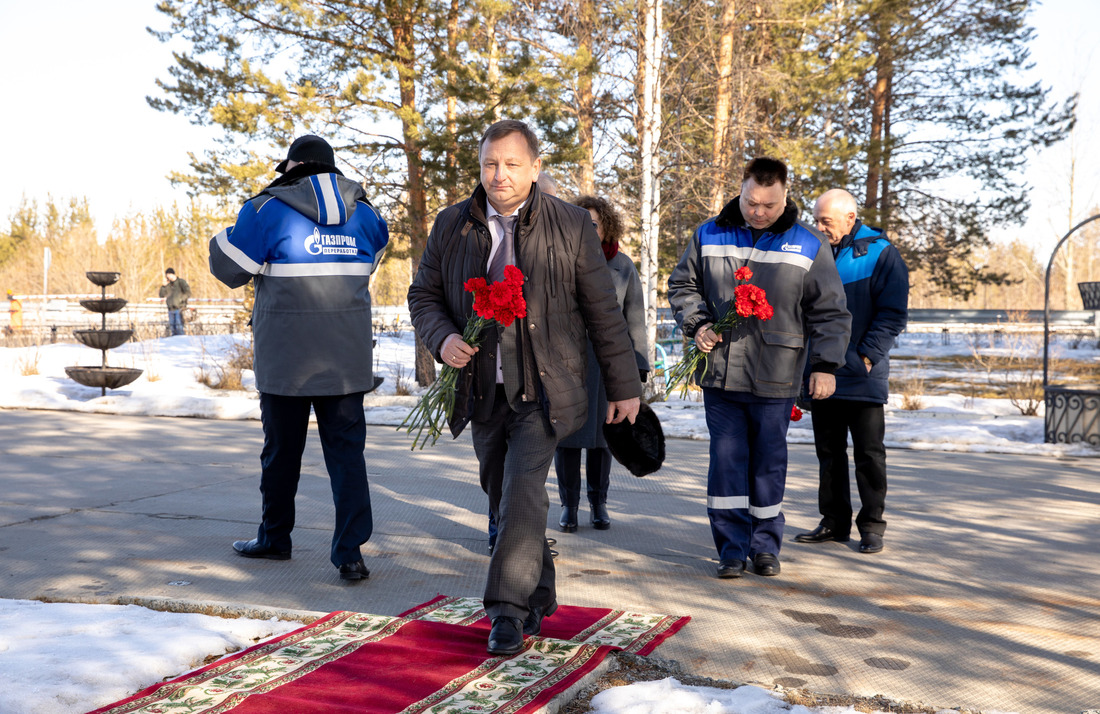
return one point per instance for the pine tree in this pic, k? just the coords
(950, 126)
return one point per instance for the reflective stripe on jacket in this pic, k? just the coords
(793, 264)
(310, 243)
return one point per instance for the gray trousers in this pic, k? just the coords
(514, 452)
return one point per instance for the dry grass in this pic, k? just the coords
(27, 361)
(402, 381)
(226, 373)
(911, 387)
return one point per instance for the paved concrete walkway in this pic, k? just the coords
(987, 596)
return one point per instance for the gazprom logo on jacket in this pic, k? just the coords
(319, 243)
(791, 248)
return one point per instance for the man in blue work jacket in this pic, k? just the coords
(309, 242)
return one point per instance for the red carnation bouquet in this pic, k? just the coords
(748, 301)
(500, 302)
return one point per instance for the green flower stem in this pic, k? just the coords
(683, 371)
(435, 408)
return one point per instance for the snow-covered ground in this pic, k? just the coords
(60, 658)
(169, 386)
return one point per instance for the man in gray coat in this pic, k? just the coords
(524, 388)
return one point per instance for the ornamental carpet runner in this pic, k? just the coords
(429, 659)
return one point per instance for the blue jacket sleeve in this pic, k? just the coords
(239, 252)
(825, 314)
(890, 302)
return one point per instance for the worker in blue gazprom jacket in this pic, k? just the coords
(309, 243)
(876, 289)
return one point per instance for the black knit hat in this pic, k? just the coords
(308, 148)
(640, 446)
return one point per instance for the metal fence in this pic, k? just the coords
(60, 314)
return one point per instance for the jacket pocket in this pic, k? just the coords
(553, 271)
(779, 357)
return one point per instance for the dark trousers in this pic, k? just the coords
(567, 466)
(833, 419)
(514, 450)
(748, 472)
(343, 431)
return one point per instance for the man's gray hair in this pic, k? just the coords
(547, 185)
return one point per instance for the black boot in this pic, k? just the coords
(568, 521)
(601, 521)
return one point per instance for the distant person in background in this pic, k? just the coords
(176, 293)
(876, 286)
(15, 314)
(567, 458)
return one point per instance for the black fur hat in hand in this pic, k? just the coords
(640, 446)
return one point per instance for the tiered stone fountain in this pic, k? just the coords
(103, 339)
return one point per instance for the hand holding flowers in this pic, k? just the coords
(749, 301)
(500, 302)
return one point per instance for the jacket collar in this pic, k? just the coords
(477, 207)
(860, 237)
(301, 171)
(731, 216)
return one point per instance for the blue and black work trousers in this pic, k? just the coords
(748, 471)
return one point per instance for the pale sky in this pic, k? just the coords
(75, 121)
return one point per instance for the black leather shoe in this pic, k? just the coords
(533, 624)
(354, 571)
(551, 542)
(821, 534)
(731, 568)
(568, 521)
(870, 543)
(601, 521)
(506, 637)
(252, 549)
(766, 564)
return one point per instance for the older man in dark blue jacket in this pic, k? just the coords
(876, 285)
(309, 243)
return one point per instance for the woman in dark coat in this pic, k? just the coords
(567, 459)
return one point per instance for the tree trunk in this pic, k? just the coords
(885, 209)
(875, 144)
(1069, 288)
(402, 24)
(720, 153)
(649, 117)
(452, 108)
(493, 73)
(586, 101)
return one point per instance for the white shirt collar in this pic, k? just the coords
(490, 211)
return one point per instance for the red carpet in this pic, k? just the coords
(431, 658)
